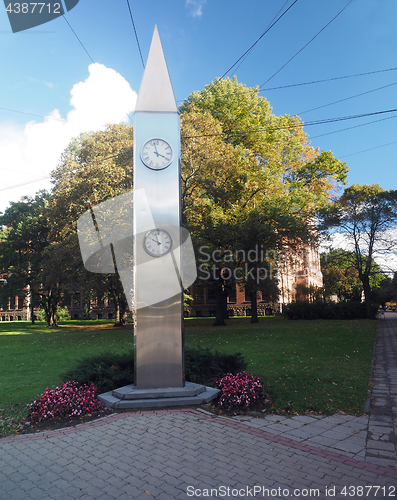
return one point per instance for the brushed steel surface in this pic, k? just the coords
(156, 93)
(158, 327)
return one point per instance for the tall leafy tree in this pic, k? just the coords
(341, 276)
(241, 164)
(365, 214)
(94, 168)
(28, 258)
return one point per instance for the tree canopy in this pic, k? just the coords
(248, 177)
(365, 214)
(242, 164)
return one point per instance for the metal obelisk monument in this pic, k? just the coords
(158, 295)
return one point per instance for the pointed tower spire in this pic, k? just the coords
(155, 93)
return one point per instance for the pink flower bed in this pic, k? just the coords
(68, 400)
(240, 391)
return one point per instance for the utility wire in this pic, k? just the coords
(49, 176)
(136, 35)
(24, 183)
(370, 149)
(88, 54)
(29, 114)
(264, 129)
(328, 79)
(268, 27)
(318, 81)
(80, 42)
(300, 124)
(299, 51)
(354, 126)
(257, 40)
(347, 98)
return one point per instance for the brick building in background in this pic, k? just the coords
(298, 271)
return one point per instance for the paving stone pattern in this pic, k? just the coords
(381, 446)
(189, 453)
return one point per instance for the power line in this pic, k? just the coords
(268, 27)
(249, 131)
(347, 98)
(354, 126)
(299, 51)
(257, 40)
(328, 79)
(49, 176)
(88, 54)
(29, 114)
(369, 149)
(24, 183)
(324, 121)
(136, 35)
(80, 42)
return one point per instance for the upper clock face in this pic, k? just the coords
(157, 242)
(156, 154)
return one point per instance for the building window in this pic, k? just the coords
(20, 303)
(76, 300)
(67, 299)
(211, 295)
(232, 297)
(198, 294)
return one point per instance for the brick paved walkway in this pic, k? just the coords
(181, 454)
(381, 446)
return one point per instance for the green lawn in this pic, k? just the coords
(34, 357)
(321, 366)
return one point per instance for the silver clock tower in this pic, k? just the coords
(158, 292)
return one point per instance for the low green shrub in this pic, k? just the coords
(108, 371)
(203, 367)
(62, 314)
(327, 310)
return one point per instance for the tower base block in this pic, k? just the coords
(128, 397)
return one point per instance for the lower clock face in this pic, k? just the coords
(156, 154)
(157, 242)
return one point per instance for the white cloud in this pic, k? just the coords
(196, 7)
(32, 151)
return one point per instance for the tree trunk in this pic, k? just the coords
(51, 316)
(117, 312)
(32, 312)
(254, 306)
(221, 299)
(52, 322)
(50, 305)
(119, 309)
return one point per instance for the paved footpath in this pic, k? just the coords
(189, 453)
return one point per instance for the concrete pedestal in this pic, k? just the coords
(128, 397)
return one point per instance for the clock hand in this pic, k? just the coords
(158, 154)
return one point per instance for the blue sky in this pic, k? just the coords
(46, 80)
